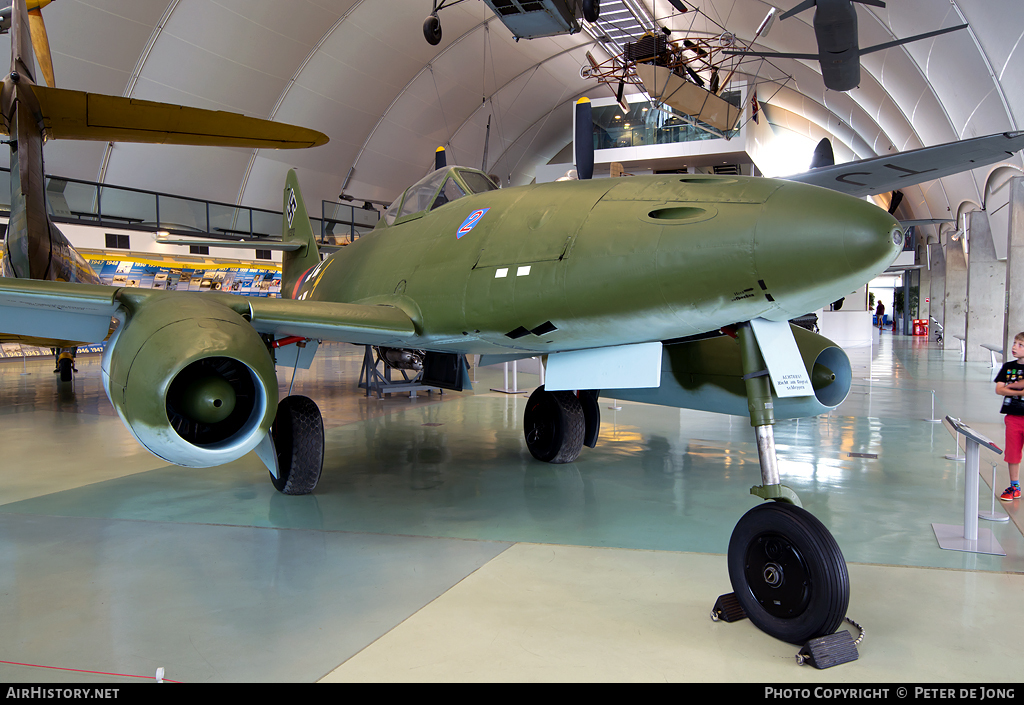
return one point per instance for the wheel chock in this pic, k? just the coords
(728, 609)
(828, 651)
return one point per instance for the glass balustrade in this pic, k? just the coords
(646, 124)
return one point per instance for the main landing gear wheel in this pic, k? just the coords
(66, 368)
(554, 426)
(591, 10)
(432, 30)
(788, 573)
(298, 434)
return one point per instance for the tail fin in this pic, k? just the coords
(296, 228)
(823, 155)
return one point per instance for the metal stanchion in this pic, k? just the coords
(992, 514)
(958, 458)
(514, 389)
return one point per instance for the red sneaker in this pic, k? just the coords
(1010, 493)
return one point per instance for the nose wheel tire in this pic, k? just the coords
(66, 367)
(298, 434)
(788, 573)
(554, 426)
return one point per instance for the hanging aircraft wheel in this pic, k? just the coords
(298, 434)
(591, 10)
(788, 573)
(66, 368)
(554, 426)
(432, 30)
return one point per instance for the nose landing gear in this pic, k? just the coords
(788, 573)
(786, 569)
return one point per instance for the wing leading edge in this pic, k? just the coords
(83, 312)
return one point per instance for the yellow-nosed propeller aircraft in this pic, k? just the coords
(670, 289)
(35, 248)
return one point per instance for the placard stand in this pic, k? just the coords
(968, 537)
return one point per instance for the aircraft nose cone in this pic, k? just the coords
(872, 239)
(815, 245)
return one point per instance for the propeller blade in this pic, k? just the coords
(41, 44)
(487, 142)
(694, 75)
(678, 5)
(823, 155)
(584, 139)
(440, 161)
(694, 47)
(895, 201)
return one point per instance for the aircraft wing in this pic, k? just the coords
(771, 54)
(77, 115)
(82, 312)
(893, 171)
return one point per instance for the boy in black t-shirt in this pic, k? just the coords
(1010, 386)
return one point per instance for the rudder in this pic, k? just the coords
(296, 228)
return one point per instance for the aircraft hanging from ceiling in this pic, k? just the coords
(526, 19)
(669, 289)
(687, 75)
(839, 52)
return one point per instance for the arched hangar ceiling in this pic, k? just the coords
(360, 71)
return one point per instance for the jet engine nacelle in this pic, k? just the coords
(708, 375)
(191, 379)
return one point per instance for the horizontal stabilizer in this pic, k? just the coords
(915, 38)
(274, 245)
(76, 115)
(771, 54)
(926, 221)
(805, 5)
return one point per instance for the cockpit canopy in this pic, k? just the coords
(436, 189)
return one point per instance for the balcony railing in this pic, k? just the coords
(91, 203)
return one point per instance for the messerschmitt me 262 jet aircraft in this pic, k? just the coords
(671, 289)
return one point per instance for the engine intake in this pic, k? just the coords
(708, 375)
(192, 380)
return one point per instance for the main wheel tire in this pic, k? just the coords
(66, 368)
(591, 10)
(554, 426)
(788, 573)
(432, 30)
(298, 434)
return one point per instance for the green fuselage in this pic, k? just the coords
(611, 261)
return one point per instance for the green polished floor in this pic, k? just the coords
(436, 548)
